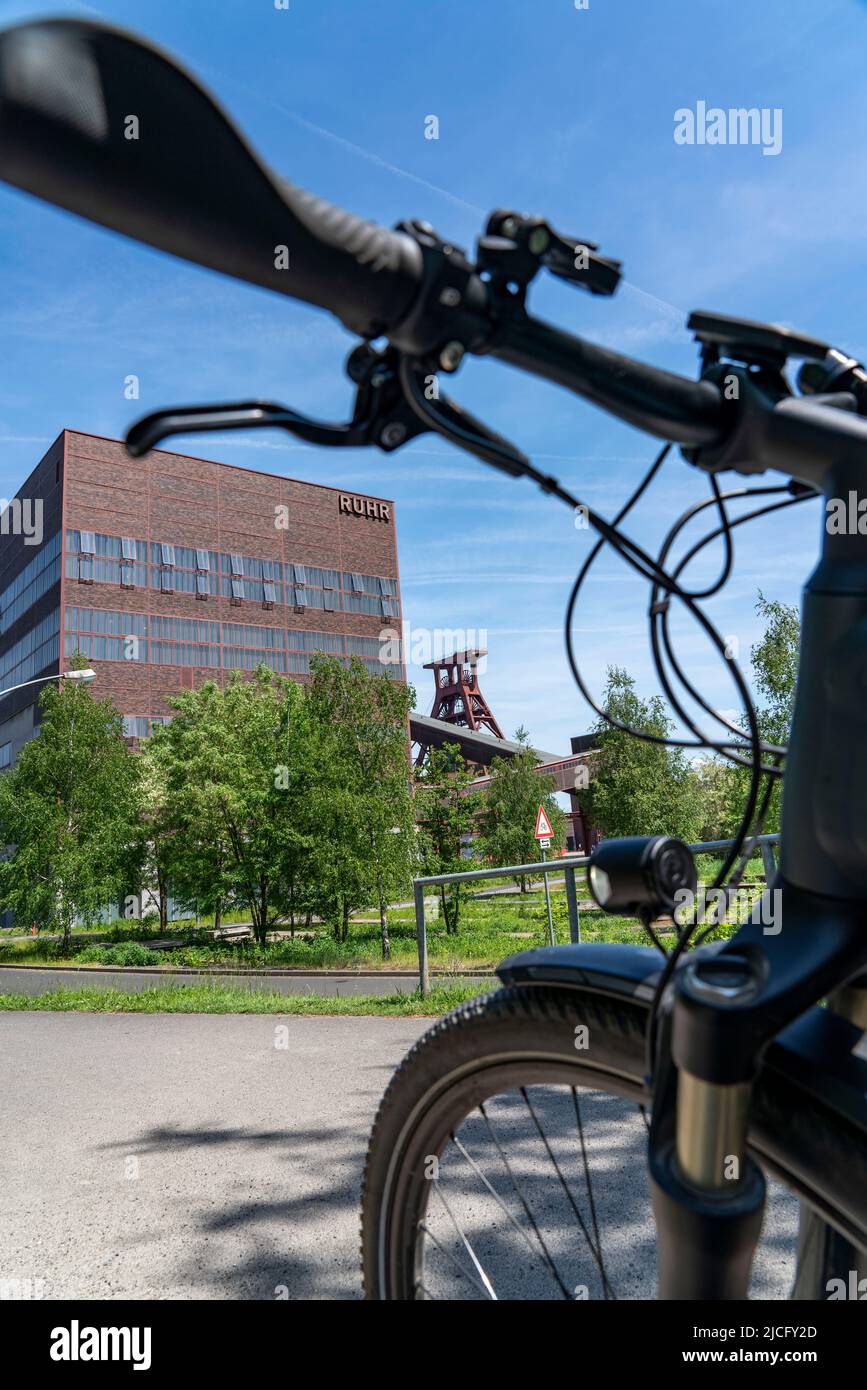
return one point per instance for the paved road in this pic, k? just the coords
(185, 1156)
(249, 1157)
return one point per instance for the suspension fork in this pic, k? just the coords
(708, 1193)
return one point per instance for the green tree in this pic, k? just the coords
(774, 661)
(639, 788)
(362, 720)
(238, 765)
(446, 814)
(156, 828)
(714, 794)
(515, 791)
(69, 810)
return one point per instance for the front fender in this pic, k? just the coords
(622, 971)
(822, 1054)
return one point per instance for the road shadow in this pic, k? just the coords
(298, 1240)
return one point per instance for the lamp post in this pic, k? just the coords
(85, 676)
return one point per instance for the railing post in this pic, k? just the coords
(768, 862)
(572, 905)
(421, 933)
(551, 941)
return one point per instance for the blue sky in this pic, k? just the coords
(542, 107)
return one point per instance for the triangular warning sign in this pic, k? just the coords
(543, 826)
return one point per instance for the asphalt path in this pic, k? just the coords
(220, 1156)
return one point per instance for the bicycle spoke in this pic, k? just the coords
(495, 1194)
(589, 1181)
(570, 1198)
(549, 1263)
(463, 1272)
(482, 1276)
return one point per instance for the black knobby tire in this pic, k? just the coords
(526, 1035)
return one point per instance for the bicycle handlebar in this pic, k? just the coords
(658, 402)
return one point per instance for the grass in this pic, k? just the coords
(212, 999)
(490, 930)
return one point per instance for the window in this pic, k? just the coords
(168, 555)
(5, 754)
(136, 726)
(237, 590)
(300, 572)
(357, 584)
(203, 586)
(87, 545)
(127, 576)
(300, 596)
(127, 548)
(270, 591)
(236, 565)
(203, 561)
(106, 621)
(167, 581)
(184, 630)
(85, 569)
(328, 600)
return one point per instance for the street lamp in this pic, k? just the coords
(85, 676)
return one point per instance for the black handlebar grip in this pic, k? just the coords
(365, 274)
(105, 125)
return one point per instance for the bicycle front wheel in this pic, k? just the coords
(508, 1159)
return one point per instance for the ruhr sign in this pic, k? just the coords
(364, 506)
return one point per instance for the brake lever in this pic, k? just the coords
(152, 429)
(393, 404)
(381, 415)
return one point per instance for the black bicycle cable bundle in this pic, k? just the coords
(744, 842)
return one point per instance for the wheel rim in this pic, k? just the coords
(497, 1190)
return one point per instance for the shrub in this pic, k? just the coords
(128, 953)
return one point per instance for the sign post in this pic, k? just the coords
(543, 833)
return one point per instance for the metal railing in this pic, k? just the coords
(567, 865)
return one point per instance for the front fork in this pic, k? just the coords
(708, 1193)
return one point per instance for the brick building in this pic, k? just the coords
(168, 571)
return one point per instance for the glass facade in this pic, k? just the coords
(32, 653)
(34, 580)
(112, 636)
(178, 569)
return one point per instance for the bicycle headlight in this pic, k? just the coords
(641, 874)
